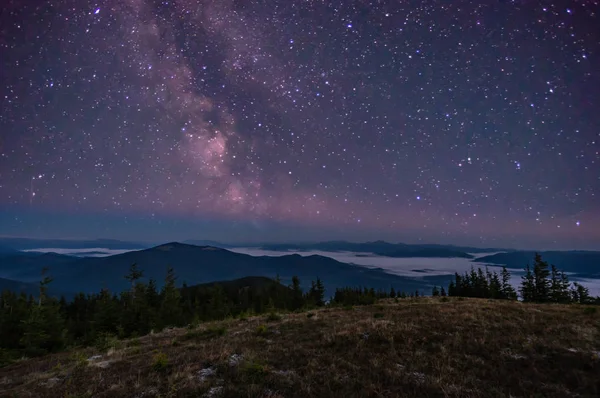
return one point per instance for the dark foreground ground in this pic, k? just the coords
(421, 347)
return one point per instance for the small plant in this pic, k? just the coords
(348, 308)
(160, 362)
(310, 314)
(590, 310)
(444, 299)
(378, 315)
(461, 299)
(134, 342)
(215, 331)
(254, 371)
(261, 330)
(79, 358)
(273, 317)
(106, 341)
(175, 343)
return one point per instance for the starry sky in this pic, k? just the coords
(446, 122)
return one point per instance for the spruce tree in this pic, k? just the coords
(435, 292)
(527, 288)
(541, 282)
(170, 309)
(508, 292)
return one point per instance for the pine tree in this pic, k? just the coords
(133, 276)
(495, 286)
(580, 293)
(170, 309)
(297, 300)
(452, 291)
(541, 282)
(442, 292)
(320, 293)
(507, 291)
(527, 288)
(435, 292)
(392, 293)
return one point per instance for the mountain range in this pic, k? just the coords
(193, 265)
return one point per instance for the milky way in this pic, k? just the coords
(445, 119)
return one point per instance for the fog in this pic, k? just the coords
(414, 267)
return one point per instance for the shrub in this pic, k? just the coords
(378, 315)
(160, 362)
(105, 341)
(273, 317)
(310, 314)
(444, 299)
(261, 329)
(590, 310)
(254, 371)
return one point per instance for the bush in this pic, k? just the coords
(590, 310)
(261, 329)
(310, 314)
(254, 371)
(160, 362)
(444, 299)
(273, 317)
(378, 315)
(105, 341)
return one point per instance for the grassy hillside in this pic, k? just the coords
(424, 347)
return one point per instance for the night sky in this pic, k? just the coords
(437, 121)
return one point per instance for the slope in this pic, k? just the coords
(422, 347)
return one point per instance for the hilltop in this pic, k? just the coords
(422, 347)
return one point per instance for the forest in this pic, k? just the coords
(32, 326)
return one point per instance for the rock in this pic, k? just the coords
(94, 358)
(103, 364)
(204, 374)
(214, 392)
(235, 359)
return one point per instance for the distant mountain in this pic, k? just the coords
(203, 264)
(27, 244)
(32, 289)
(27, 266)
(379, 247)
(585, 264)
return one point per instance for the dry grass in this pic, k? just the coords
(415, 348)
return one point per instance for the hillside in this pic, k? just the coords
(423, 347)
(584, 264)
(195, 265)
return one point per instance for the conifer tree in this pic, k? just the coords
(133, 276)
(508, 292)
(541, 282)
(435, 292)
(296, 293)
(392, 293)
(319, 293)
(170, 309)
(527, 288)
(442, 292)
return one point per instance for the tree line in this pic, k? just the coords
(34, 326)
(541, 283)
